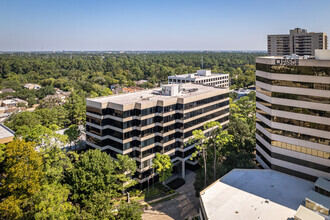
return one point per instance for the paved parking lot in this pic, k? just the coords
(181, 207)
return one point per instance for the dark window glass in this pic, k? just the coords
(306, 85)
(299, 70)
(294, 109)
(291, 134)
(305, 98)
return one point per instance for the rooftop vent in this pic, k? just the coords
(204, 72)
(170, 90)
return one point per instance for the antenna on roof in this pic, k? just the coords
(202, 63)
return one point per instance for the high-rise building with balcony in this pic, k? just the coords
(293, 114)
(204, 77)
(299, 42)
(160, 120)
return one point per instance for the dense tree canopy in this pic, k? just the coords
(96, 72)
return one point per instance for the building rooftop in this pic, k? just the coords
(254, 194)
(320, 55)
(305, 213)
(5, 133)
(201, 74)
(188, 90)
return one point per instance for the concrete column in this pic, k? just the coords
(183, 169)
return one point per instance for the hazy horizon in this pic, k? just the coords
(101, 25)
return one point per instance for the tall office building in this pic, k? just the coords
(204, 77)
(154, 121)
(299, 42)
(293, 114)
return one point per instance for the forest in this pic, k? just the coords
(91, 75)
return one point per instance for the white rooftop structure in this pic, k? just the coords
(254, 194)
(322, 54)
(10, 102)
(201, 77)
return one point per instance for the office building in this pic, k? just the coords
(204, 77)
(299, 42)
(293, 114)
(159, 120)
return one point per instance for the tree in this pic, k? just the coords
(201, 148)
(57, 164)
(73, 132)
(129, 211)
(163, 166)
(44, 137)
(10, 208)
(99, 206)
(51, 202)
(93, 172)
(23, 165)
(23, 175)
(126, 167)
(217, 139)
(242, 123)
(76, 107)
(29, 119)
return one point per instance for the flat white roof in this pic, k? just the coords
(5, 132)
(255, 194)
(195, 76)
(152, 94)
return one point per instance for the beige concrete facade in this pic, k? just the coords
(293, 115)
(177, 116)
(299, 42)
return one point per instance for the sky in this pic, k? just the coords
(56, 25)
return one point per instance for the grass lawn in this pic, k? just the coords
(155, 192)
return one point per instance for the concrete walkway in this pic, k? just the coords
(181, 207)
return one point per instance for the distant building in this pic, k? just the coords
(118, 89)
(299, 42)
(259, 194)
(140, 82)
(159, 120)
(31, 86)
(14, 102)
(6, 134)
(132, 89)
(293, 114)
(242, 92)
(204, 77)
(7, 90)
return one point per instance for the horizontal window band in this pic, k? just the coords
(298, 70)
(294, 160)
(298, 110)
(306, 85)
(290, 134)
(294, 122)
(304, 98)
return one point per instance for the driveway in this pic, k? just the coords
(181, 207)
